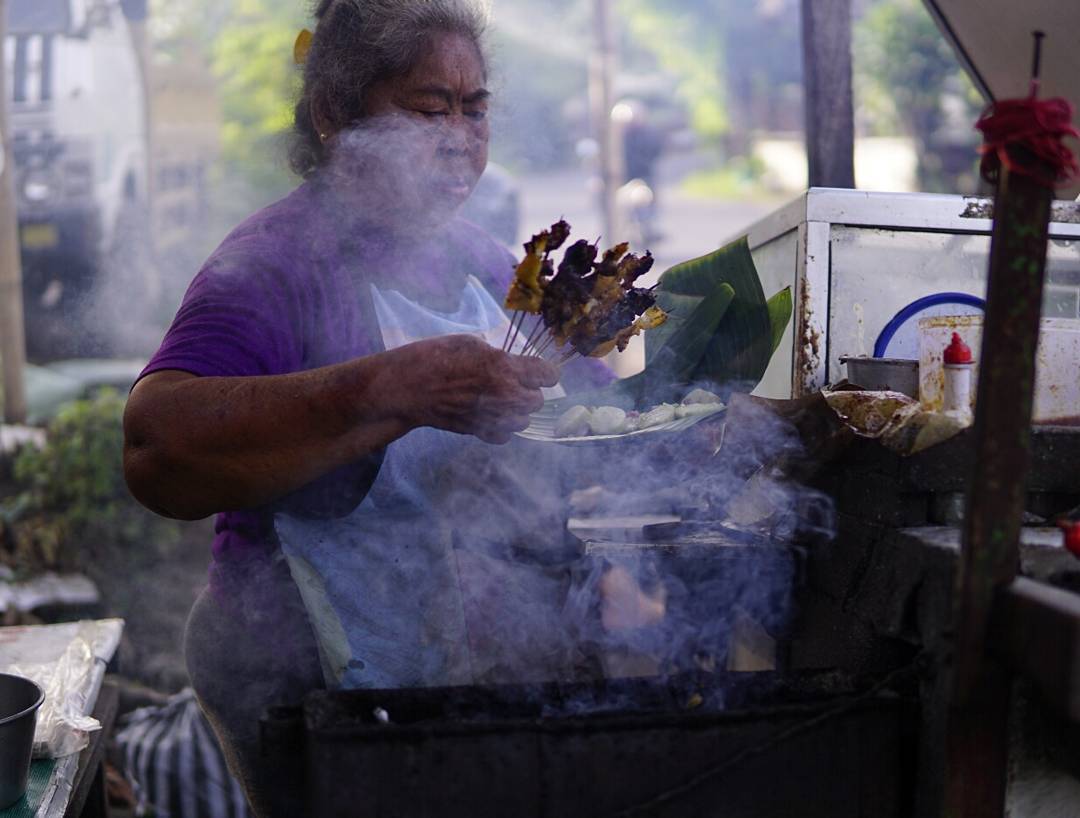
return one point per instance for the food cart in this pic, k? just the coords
(857, 260)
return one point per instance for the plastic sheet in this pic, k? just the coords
(899, 422)
(68, 662)
(62, 727)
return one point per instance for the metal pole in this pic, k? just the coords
(12, 334)
(828, 107)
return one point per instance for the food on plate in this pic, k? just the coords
(689, 410)
(607, 420)
(701, 396)
(582, 421)
(664, 413)
(591, 305)
(574, 422)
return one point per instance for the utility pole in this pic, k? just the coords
(602, 68)
(137, 13)
(829, 111)
(12, 333)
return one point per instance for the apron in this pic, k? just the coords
(425, 583)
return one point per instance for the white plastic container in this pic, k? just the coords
(1057, 383)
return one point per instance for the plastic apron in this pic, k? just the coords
(418, 586)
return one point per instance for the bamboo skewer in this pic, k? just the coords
(509, 327)
(534, 336)
(546, 345)
(515, 325)
(509, 330)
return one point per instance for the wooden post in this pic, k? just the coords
(607, 135)
(136, 13)
(12, 334)
(828, 107)
(977, 722)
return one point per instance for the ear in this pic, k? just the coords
(321, 119)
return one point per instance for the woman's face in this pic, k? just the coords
(423, 143)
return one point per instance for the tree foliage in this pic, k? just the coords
(249, 46)
(905, 75)
(687, 38)
(259, 81)
(71, 505)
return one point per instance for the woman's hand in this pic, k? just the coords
(462, 384)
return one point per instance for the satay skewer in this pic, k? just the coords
(546, 345)
(517, 329)
(509, 329)
(534, 336)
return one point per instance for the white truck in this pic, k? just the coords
(79, 141)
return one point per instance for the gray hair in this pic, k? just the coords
(360, 42)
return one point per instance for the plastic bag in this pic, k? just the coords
(62, 727)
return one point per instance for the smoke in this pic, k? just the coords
(536, 603)
(675, 601)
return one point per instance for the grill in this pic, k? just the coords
(689, 746)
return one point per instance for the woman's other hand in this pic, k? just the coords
(462, 384)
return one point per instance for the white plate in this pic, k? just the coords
(542, 427)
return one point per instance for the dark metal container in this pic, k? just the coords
(884, 374)
(19, 702)
(693, 746)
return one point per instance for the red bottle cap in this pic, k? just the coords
(957, 352)
(1072, 536)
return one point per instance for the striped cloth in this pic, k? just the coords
(175, 764)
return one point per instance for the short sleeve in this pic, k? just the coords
(240, 316)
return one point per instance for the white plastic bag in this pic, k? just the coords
(62, 727)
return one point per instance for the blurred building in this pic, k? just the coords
(185, 135)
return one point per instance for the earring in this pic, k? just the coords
(322, 137)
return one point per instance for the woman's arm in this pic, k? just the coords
(194, 446)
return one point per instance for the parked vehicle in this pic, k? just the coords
(80, 176)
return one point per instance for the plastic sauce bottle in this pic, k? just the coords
(958, 368)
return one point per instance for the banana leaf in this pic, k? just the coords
(741, 346)
(780, 309)
(672, 357)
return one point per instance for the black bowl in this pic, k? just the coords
(19, 702)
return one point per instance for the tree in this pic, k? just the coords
(907, 80)
(249, 46)
(253, 60)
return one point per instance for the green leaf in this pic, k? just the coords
(780, 308)
(674, 357)
(740, 348)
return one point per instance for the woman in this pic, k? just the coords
(313, 385)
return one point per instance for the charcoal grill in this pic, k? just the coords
(690, 746)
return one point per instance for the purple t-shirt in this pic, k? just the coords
(287, 291)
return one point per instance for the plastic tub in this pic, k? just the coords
(1057, 387)
(19, 702)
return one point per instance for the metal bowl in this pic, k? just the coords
(884, 374)
(19, 702)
